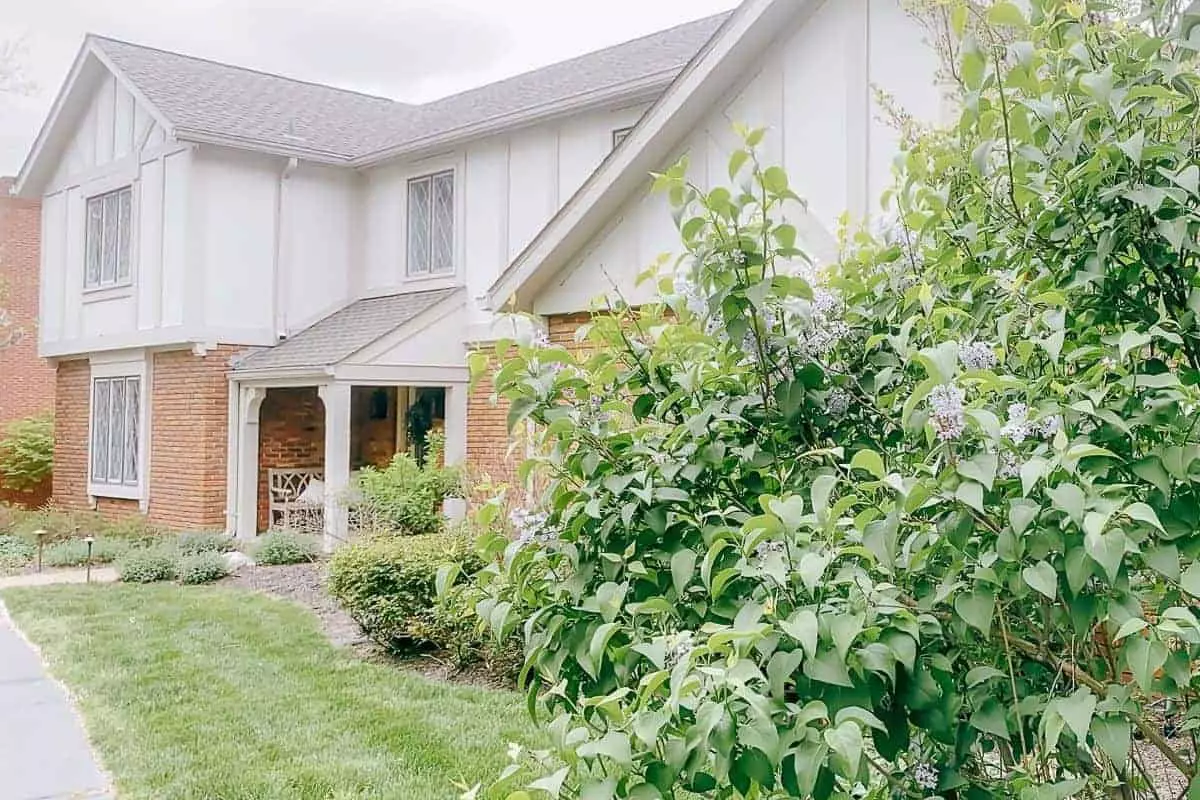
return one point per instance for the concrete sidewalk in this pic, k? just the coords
(44, 752)
(57, 576)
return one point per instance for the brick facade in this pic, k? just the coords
(188, 425)
(490, 450)
(26, 381)
(291, 435)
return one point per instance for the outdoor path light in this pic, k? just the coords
(91, 540)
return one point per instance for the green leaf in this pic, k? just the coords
(1113, 735)
(552, 784)
(976, 608)
(802, 626)
(737, 161)
(829, 668)
(844, 629)
(1132, 340)
(775, 180)
(1032, 471)
(983, 673)
(1132, 147)
(614, 745)
(1077, 711)
(1006, 13)
(971, 494)
(846, 741)
(1107, 550)
(990, 718)
(790, 510)
(1132, 625)
(1145, 657)
(1070, 499)
(1021, 513)
(822, 489)
(981, 468)
(683, 569)
(1190, 579)
(870, 462)
(811, 568)
(1163, 559)
(1043, 578)
(1143, 513)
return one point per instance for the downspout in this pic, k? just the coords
(279, 278)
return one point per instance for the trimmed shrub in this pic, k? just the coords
(149, 565)
(203, 567)
(74, 552)
(191, 544)
(134, 528)
(27, 452)
(15, 552)
(389, 586)
(406, 498)
(277, 548)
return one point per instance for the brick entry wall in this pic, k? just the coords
(27, 385)
(490, 453)
(189, 425)
(189, 400)
(291, 435)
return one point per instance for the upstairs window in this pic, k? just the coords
(431, 224)
(108, 234)
(116, 430)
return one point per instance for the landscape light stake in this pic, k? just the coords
(41, 542)
(91, 540)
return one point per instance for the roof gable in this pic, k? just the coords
(339, 336)
(733, 49)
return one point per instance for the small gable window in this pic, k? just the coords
(431, 224)
(108, 239)
(620, 135)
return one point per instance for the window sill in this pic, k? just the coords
(115, 492)
(105, 293)
(438, 279)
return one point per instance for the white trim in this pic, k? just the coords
(181, 336)
(67, 96)
(406, 375)
(753, 25)
(123, 365)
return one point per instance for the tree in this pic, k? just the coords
(917, 524)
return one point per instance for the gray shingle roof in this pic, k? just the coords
(344, 332)
(214, 98)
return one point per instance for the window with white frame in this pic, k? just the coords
(431, 224)
(116, 430)
(108, 238)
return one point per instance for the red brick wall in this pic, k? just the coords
(189, 426)
(490, 452)
(188, 423)
(291, 435)
(71, 434)
(26, 381)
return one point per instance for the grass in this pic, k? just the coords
(218, 694)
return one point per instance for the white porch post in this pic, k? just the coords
(250, 401)
(336, 397)
(456, 440)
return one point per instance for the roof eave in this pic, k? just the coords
(261, 146)
(644, 89)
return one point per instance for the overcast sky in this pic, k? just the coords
(413, 50)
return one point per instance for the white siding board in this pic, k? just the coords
(175, 238)
(533, 185)
(53, 268)
(486, 216)
(105, 110)
(150, 245)
(123, 123)
(319, 206)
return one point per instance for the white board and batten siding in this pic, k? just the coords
(115, 143)
(813, 90)
(507, 188)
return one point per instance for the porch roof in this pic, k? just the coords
(342, 334)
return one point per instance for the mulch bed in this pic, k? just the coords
(305, 584)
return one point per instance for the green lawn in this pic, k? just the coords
(213, 694)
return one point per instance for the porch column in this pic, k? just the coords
(250, 401)
(456, 440)
(336, 397)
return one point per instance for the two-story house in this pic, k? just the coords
(253, 285)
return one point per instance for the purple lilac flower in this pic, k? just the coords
(948, 417)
